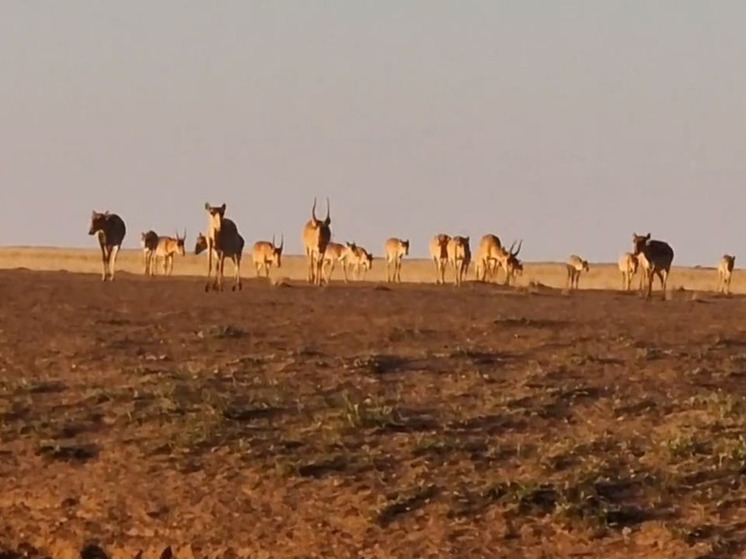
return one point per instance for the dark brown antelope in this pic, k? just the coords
(655, 258)
(223, 239)
(110, 230)
(149, 242)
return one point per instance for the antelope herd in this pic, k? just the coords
(649, 257)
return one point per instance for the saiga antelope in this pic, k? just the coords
(628, 266)
(439, 255)
(316, 237)
(508, 260)
(224, 240)
(335, 252)
(394, 250)
(725, 272)
(488, 253)
(265, 254)
(167, 248)
(575, 266)
(201, 245)
(110, 230)
(655, 258)
(149, 242)
(459, 257)
(358, 259)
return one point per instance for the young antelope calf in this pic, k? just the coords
(166, 249)
(394, 250)
(149, 242)
(265, 254)
(575, 265)
(725, 272)
(628, 265)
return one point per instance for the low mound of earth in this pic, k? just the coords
(146, 418)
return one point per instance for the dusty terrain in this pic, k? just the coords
(356, 420)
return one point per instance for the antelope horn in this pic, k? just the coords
(328, 214)
(520, 244)
(282, 241)
(313, 209)
(510, 250)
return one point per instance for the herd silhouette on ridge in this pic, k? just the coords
(649, 257)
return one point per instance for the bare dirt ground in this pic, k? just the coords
(418, 421)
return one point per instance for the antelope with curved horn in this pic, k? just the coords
(508, 260)
(110, 230)
(265, 254)
(166, 249)
(316, 236)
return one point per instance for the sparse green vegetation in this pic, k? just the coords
(515, 424)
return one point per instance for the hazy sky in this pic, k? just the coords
(568, 123)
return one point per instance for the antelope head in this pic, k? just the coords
(215, 216)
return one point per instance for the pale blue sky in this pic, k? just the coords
(568, 123)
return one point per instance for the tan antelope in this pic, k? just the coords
(335, 253)
(149, 242)
(222, 239)
(366, 263)
(628, 266)
(316, 237)
(725, 272)
(459, 257)
(265, 254)
(394, 250)
(488, 253)
(166, 249)
(575, 266)
(508, 260)
(359, 260)
(110, 230)
(655, 258)
(439, 255)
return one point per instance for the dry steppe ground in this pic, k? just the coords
(362, 420)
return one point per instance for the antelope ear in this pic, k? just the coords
(207, 205)
(222, 208)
